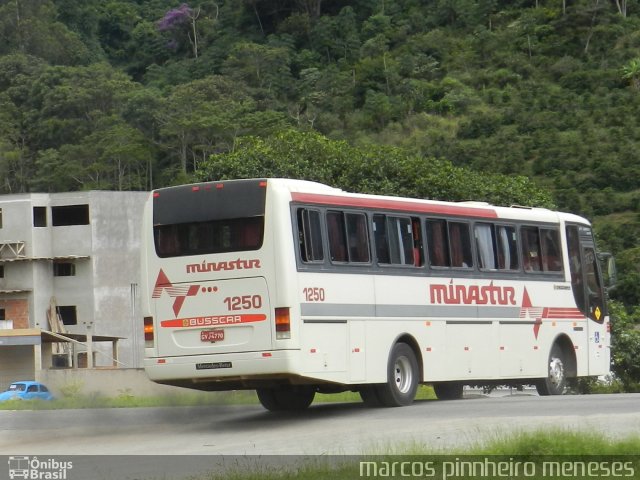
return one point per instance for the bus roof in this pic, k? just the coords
(306, 191)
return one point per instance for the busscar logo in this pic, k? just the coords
(38, 469)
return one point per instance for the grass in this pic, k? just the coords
(547, 453)
(126, 400)
(71, 398)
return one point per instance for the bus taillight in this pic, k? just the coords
(148, 332)
(283, 323)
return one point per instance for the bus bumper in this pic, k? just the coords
(225, 371)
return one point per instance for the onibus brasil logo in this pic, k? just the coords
(38, 469)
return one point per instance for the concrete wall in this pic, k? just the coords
(17, 362)
(107, 382)
(116, 226)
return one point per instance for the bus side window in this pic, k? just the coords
(438, 243)
(531, 258)
(337, 236)
(357, 238)
(381, 239)
(486, 246)
(401, 240)
(397, 240)
(575, 266)
(591, 272)
(310, 236)
(418, 255)
(507, 247)
(551, 256)
(460, 245)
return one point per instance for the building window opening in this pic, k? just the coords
(68, 314)
(70, 215)
(39, 216)
(64, 269)
(4, 323)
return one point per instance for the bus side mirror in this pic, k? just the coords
(610, 272)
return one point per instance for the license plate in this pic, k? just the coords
(212, 335)
(213, 366)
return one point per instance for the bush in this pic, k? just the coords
(625, 346)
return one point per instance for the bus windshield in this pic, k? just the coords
(206, 219)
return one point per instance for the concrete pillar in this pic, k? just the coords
(89, 348)
(114, 352)
(37, 361)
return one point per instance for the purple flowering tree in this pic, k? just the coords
(181, 18)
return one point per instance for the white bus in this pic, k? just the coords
(292, 287)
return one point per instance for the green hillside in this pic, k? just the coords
(140, 94)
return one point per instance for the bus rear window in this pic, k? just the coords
(206, 218)
(215, 236)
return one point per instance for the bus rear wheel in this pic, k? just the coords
(402, 378)
(556, 381)
(286, 399)
(448, 390)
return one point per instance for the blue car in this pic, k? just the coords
(26, 390)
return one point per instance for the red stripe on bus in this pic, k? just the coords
(563, 313)
(389, 204)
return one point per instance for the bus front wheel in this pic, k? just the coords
(556, 381)
(402, 378)
(283, 399)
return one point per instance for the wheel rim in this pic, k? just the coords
(403, 374)
(556, 372)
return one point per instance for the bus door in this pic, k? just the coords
(588, 292)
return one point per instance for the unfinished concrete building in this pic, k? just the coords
(69, 274)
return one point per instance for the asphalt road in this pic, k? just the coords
(191, 442)
(344, 428)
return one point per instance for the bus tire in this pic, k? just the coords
(448, 390)
(286, 399)
(556, 381)
(402, 378)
